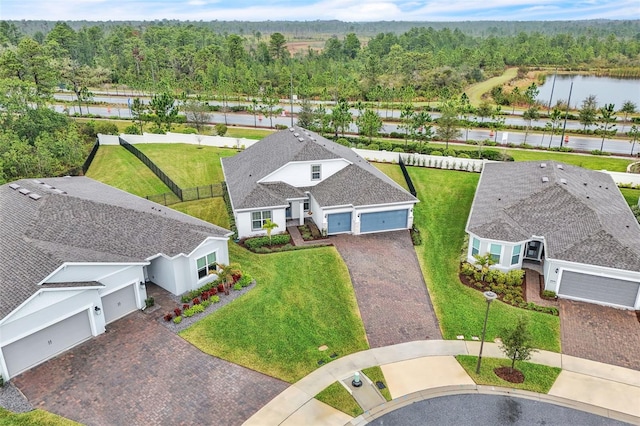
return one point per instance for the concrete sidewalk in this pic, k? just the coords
(426, 369)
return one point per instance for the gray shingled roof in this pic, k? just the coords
(581, 213)
(81, 220)
(358, 184)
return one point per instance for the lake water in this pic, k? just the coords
(606, 89)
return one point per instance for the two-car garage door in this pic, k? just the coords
(610, 291)
(384, 221)
(46, 343)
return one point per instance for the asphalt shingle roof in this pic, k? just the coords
(358, 184)
(78, 219)
(581, 213)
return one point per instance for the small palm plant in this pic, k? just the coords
(484, 262)
(226, 274)
(269, 226)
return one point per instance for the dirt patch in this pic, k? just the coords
(509, 374)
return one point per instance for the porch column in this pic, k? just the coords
(301, 212)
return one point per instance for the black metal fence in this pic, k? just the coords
(407, 178)
(189, 194)
(155, 169)
(89, 160)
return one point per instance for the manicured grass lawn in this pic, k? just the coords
(188, 165)
(339, 398)
(393, 171)
(33, 418)
(441, 216)
(631, 195)
(303, 299)
(537, 378)
(117, 167)
(376, 375)
(247, 133)
(212, 210)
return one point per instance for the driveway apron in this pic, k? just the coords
(140, 373)
(600, 333)
(391, 293)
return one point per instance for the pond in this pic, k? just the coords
(606, 89)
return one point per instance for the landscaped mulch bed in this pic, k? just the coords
(509, 374)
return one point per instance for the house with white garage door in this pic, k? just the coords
(75, 256)
(572, 222)
(295, 174)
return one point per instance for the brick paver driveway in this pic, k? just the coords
(140, 373)
(389, 287)
(600, 333)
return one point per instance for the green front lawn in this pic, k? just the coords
(212, 210)
(188, 165)
(33, 418)
(339, 398)
(537, 378)
(441, 216)
(119, 168)
(631, 195)
(302, 300)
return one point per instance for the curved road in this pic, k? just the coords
(490, 410)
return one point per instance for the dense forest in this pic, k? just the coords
(254, 60)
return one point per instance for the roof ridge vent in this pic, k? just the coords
(24, 191)
(14, 186)
(35, 196)
(545, 179)
(543, 165)
(291, 129)
(36, 181)
(296, 134)
(301, 139)
(560, 166)
(46, 185)
(563, 181)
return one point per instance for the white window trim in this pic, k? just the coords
(319, 172)
(262, 219)
(209, 267)
(473, 248)
(513, 254)
(499, 254)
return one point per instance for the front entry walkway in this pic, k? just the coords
(141, 373)
(389, 287)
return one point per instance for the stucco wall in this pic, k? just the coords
(161, 272)
(243, 222)
(505, 253)
(298, 173)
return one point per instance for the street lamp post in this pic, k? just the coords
(490, 296)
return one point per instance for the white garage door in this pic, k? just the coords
(606, 290)
(119, 303)
(46, 343)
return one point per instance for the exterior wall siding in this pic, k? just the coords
(505, 252)
(298, 174)
(243, 222)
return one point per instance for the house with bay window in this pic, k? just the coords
(75, 256)
(295, 174)
(572, 223)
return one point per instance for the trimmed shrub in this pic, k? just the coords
(167, 317)
(177, 320)
(373, 147)
(278, 239)
(398, 149)
(343, 141)
(436, 153)
(215, 299)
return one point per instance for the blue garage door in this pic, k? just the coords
(339, 222)
(383, 221)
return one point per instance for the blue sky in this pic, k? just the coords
(311, 10)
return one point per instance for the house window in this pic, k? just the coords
(259, 218)
(515, 254)
(315, 172)
(306, 205)
(206, 265)
(495, 250)
(475, 246)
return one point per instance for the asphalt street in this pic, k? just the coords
(489, 410)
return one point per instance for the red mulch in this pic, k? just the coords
(510, 375)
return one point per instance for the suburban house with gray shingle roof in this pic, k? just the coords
(573, 222)
(295, 174)
(75, 256)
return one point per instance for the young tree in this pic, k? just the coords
(369, 124)
(607, 121)
(484, 261)
(306, 115)
(270, 101)
(531, 94)
(628, 107)
(163, 111)
(554, 123)
(197, 112)
(465, 109)
(138, 112)
(226, 274)
(484, 110)
(588, 112)
(406, 120)
(341, 117)
(448, 123)
(497, 123)
(422, 125)
(516, 341)
(634, 134)
(530, 114)
(277, 48)
(269, 226)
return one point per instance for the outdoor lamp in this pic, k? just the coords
(490, 296)
(97, 310)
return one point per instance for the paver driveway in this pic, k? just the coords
(140, 373)
(391, 292)
(600, 333)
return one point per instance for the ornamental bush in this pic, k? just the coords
(257, 242)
